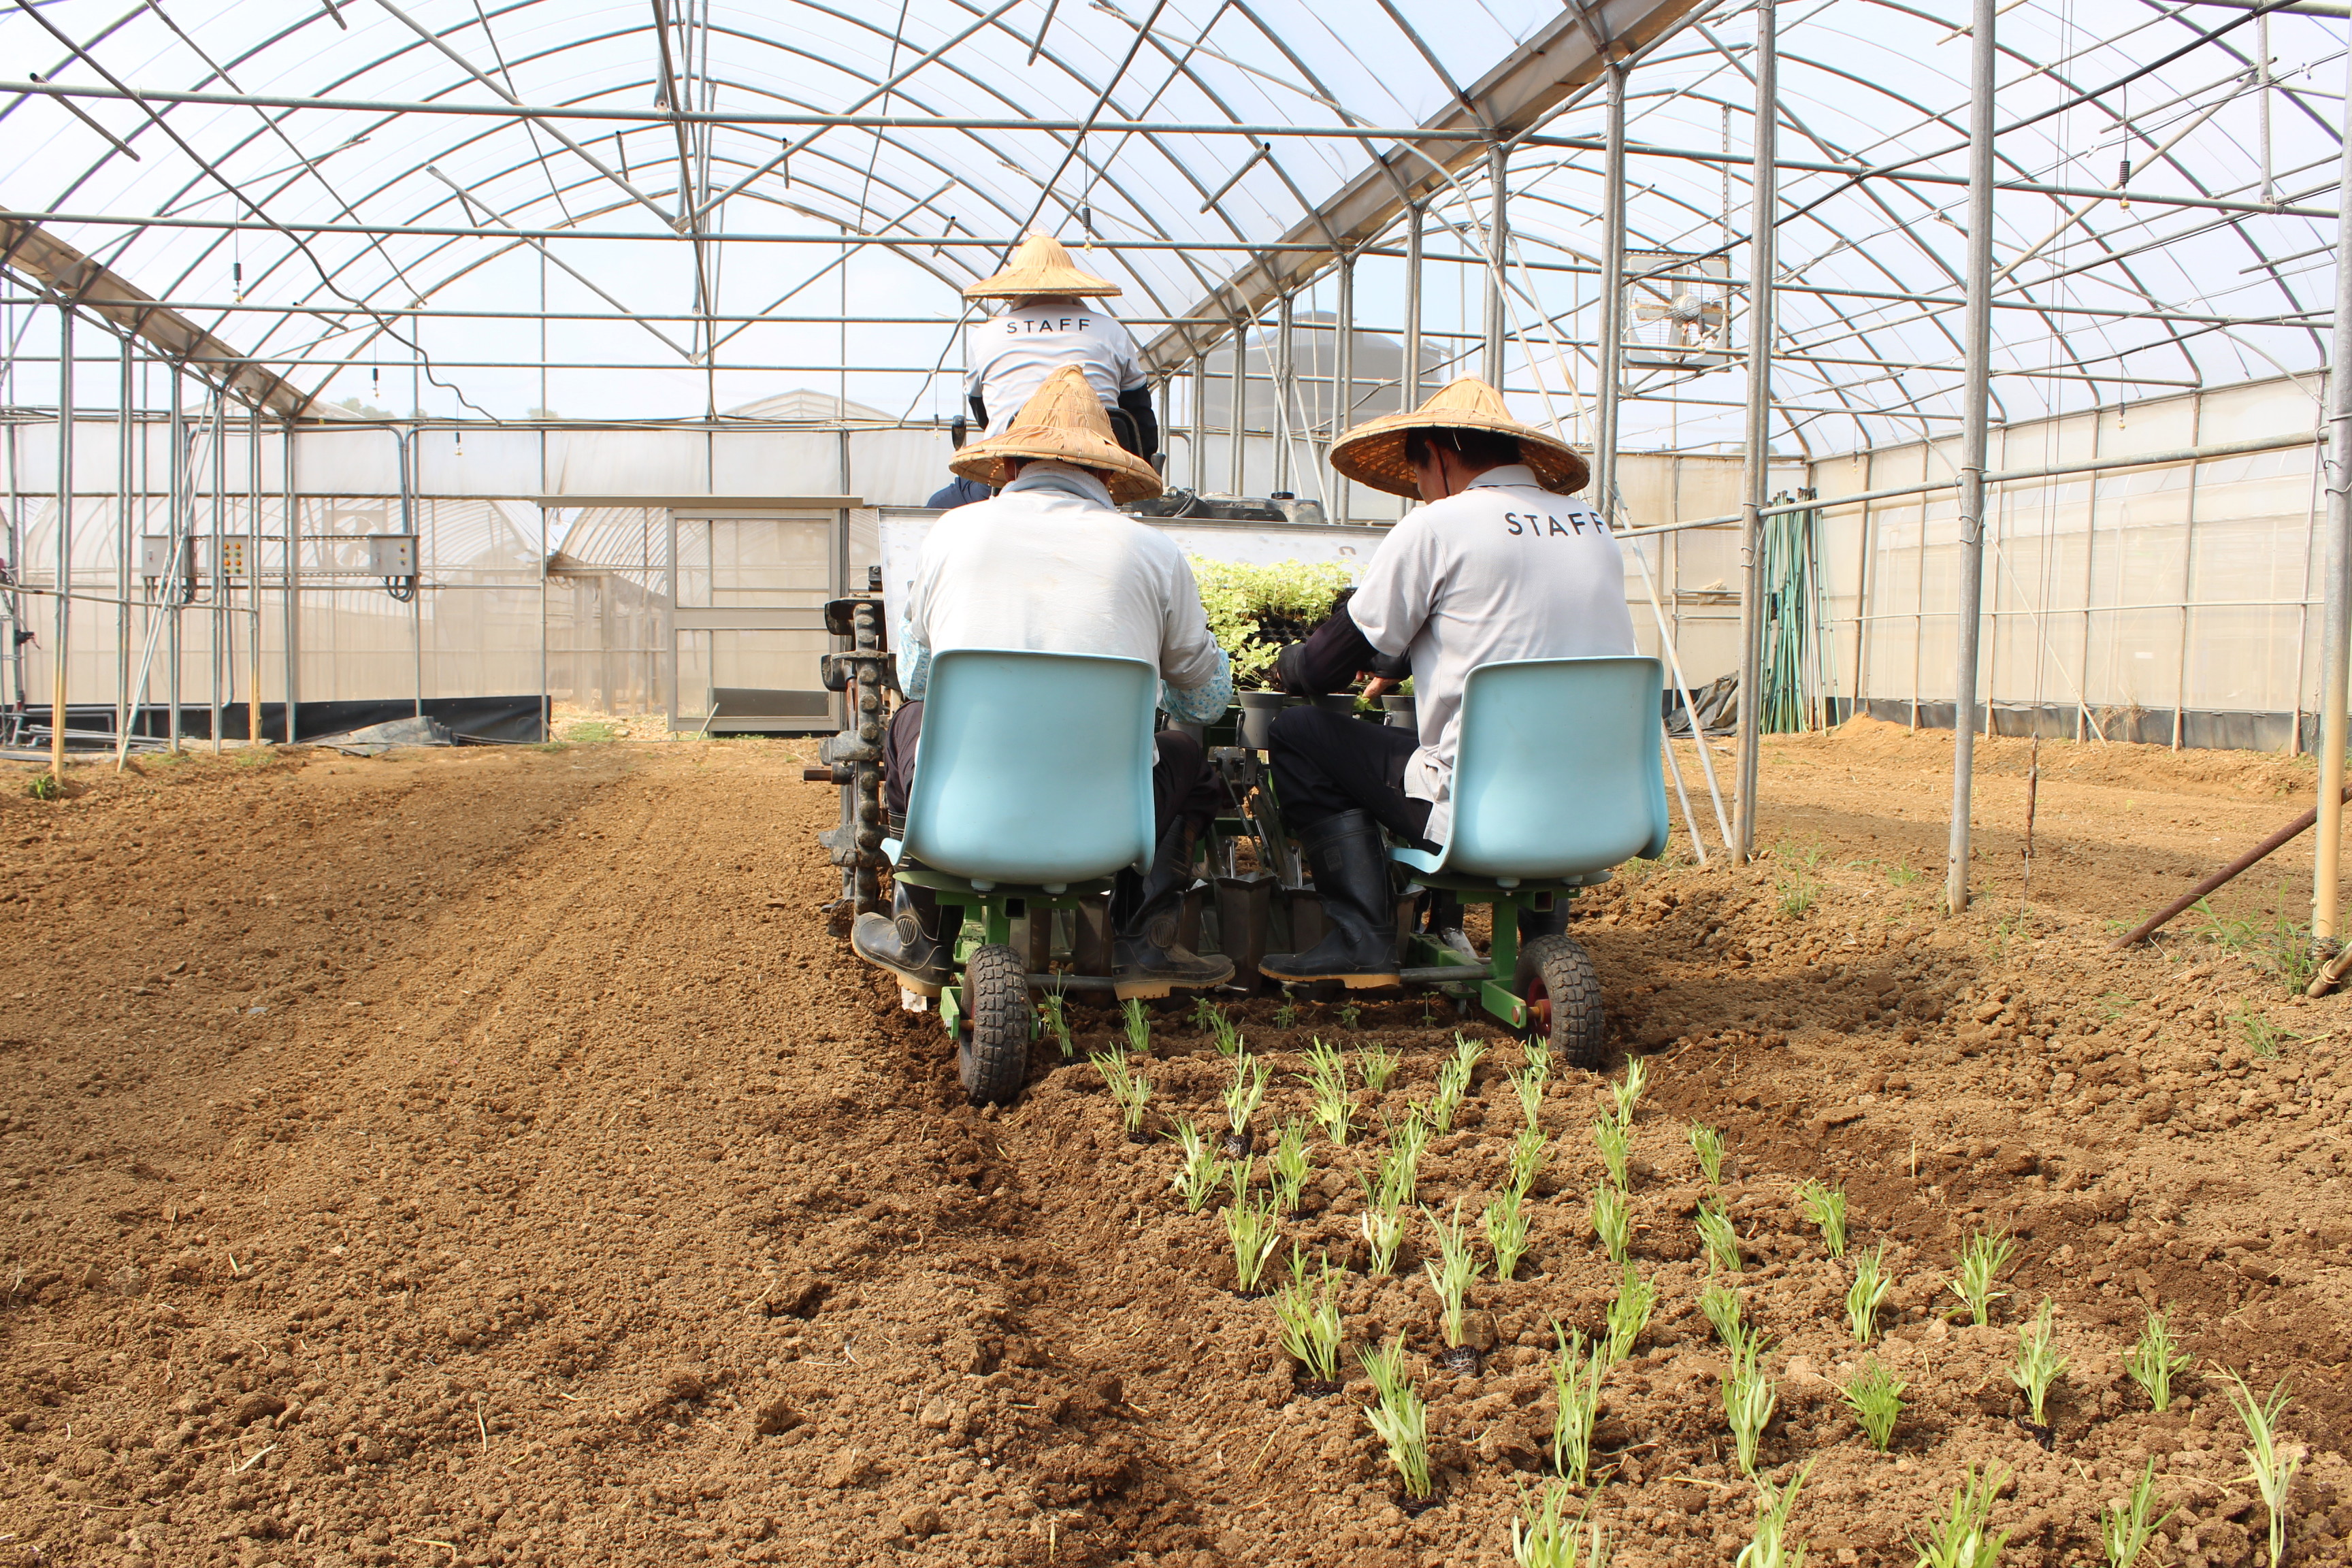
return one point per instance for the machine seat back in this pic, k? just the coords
(1034, 768)
(1555, 774)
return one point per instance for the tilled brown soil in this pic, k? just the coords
(492, 1157)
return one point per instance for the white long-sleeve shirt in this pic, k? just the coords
(1012, 354)
(1505, 570)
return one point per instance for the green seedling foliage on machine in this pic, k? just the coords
(1241, 598)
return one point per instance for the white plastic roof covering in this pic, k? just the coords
(410, 256)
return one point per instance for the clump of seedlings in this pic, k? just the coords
(1398, 1418)
(1243, 1098)
(2153, 1362)
(1382, 1225)
(1350, 1016)
(1129, 1090)
(1450, 1275)
(1376, 1065)
(1255, 1231)
(1286, 1015)
(1537, 1052)
(1748, 1397)
(2038, 1366)
(1871, 1284)
(1719, 1304)
(1548, 1540)
(1198, 1176)
(1138, 1027)
(1613, 1221)
(1400, 1167)
(1576, 1393)
(1629, 1313)
(2272, 1470)
(1960, 1538)
(1057, 1022)
(1528, 1086)
(1289, 1164)
(1982, 1258)
(1708, 1144)
(1614, 1141)
(1453, 1082)
(1825, 1207)
(2125, 1532)
(1527, 1153)
(1326, 1079)
(1506, 1224)
(1771, 1547)
(1309, 1321)
(1627, 1090)
(1720, 1242)
(1877, 1396)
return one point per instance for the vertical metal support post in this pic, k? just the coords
(1498, 242)
(253, 735)
(65, 543)
(218, 647)
(293, 578)
(182, 511)
(1343, 381)
(1285, 385)
(1409, 373)
(125, 705)
(1613, 303)
(2335, 681)
(1200, 456)
(1977, 345)
(1763, 212)
(1236, 418)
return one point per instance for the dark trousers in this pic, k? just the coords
(1180, 776)
(1327, 763)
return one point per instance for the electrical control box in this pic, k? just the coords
(155, 557)
(392, 554)
(232, 557)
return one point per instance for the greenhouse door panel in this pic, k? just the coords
(747, 630)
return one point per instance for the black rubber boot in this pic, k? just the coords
(1351, 876)
(906, 941)
(1444, 926)
(1534, 923)
(1147, 960)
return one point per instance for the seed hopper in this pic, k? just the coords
(1041, 792)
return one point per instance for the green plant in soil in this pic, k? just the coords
(1382, 1225)
(1401, 1166)
(1246, 1092)
(1629, 1313)
(1398, 1417)
(1453, 1082)
(1057, 1022)
(1310, 1320)
(1871, 1284)
(1771, 1547)
(2038, 1364)
(1528, 1086)
(1615, 1143)
(1795, 896)
(1220, 1029)
(1748, 1397)
(1286, 1015)
(1613, 1221)
(1982, 1258)
(1376, 1065)
(2271, 1468)
(45, 786)
(1719, 1304)
(1825, 1207)
(2125, 1532)
(2276, 940)
(1198, 1175)
(1129, 1090)
(1528, 1152)
(2155, 1360)
(1720, 1242)
(1205, 1013)
(1536, 1053)
(1877, 1396)
(1506, 1224)
(1456, 1266)
(1964, 1537)
(1576, 1399)
(1627, 1091)
(1544, 1538)
(1708, 1144)
(1290, 1164)
(2262, 1036)
(1255, 1231)
(1326, 1079)
(1350, 1016)
(1138, 1027)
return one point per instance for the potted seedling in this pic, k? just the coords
(1255, 1232)
(1717, 1239)
(1748, 1397)
(1453, 1082)
(1376, 1065)
(1451, 1274)
(1528, 1086)
(1613, 1139)
(1871, 1284)
(1326, 1079)
(2271, 1468)
(1545, 1538)
(1527, 1153)
(1708, 1144)
(1771, 1547)
(1719, 1305)
(1243, 1098)
(1612, 1222)
(1401, 1421)
(2125, 1532)
(1627, 1091)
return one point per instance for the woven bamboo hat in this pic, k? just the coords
(1373, 452)
(1041, 266)
(1062, 422)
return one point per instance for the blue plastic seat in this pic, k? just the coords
(1034, 768)
(1556, 772)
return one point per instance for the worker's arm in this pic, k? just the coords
(1332, 656)
(1136, 401)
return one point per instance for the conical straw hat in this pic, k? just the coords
(1373, 452)
(1041, 266)
(1063, 423)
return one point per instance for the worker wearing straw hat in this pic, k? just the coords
(1500, 564)
(1048, 564)
(1045, 325)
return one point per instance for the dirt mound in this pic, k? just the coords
(491, 1157)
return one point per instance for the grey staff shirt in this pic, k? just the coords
(1506, 570)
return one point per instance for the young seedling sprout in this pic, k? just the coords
(1720, 1240)
(2125, 1532)
(1825, 1206)
(1871, 1284)
(1286, 1015)
(1708, 1144)
(2153, 1362)
(1129, 1090)
(2038, 1364)
(1982, 1258)
(1398, 1417)
(1350, 1016)
(1057, 1022)
(1958, 1540)
(1576, 1391)
(1255, 1232)
(1198, 1176)
(1529, 1087)
(1326, 1079)
(1748, 1397)
(1376, 1065)
(1528, 1152)
(1138, 1027)
(1451, 1275)
(1400, 1167)
(1309, 1320)
(1719, 1304)
(1613, 1221)
(1384, 1227)
(2273, 1470)
(1229, 1038)
(1771, 1548)
(1536, 1053)
(1612, 1139)
(1877, 1395)
(1544, 1539)
(1627, 1091)
(1290, 1165)
(1453, 1082)
(1243, 1098)
(1506, 1224)
(1629, 1313)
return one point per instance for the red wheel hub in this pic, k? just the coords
(1538, 1006)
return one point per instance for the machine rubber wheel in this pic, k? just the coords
(992, 1056)
(1563, 995)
